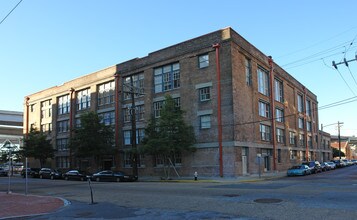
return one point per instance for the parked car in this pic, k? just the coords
(299, 170)
(325, 166)
(314, 166)
(75, 175)
(31, 172)
(118, 176)
(48, 173)
(339, 163)
(332, 165)
(3, 172)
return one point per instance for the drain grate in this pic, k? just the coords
(231, 195)
(268, 200)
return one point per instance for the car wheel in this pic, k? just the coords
(118, 179)
(66, 178)
(82, 179)
(52, 177)
(41, 177)
(97, 179)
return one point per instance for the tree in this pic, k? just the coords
(92, 139)
(336, 153)
(37, 145)
(168, 135)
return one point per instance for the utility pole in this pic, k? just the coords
(339, 138)
(345, 61)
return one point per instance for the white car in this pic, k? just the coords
(332, 165)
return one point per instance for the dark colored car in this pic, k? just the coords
(75, 175)
(3, 172)
(118, 176)
(339, 163)
(48, 173)
(314, 166)
(31, 172)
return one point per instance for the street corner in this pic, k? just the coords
(18, 205)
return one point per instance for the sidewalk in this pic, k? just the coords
(17, 205)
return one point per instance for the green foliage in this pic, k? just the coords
(336, 153)
(168, 135)
(37, 145)
(93, 139)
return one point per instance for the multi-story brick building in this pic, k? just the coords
(241, 104)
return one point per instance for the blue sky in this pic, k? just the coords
(46, 43)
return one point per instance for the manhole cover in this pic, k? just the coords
(268, 200)
(231, 195)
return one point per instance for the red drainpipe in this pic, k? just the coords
(71, 116)
(116, 76)
(272, 104)
(305, 126)
(219, 114)
(27, 116)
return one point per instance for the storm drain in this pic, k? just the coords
(231, 195)
(268, 200)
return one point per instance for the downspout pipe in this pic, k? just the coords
(272, 107)
(219, 114)
(117, 91)
(305, 126)
(27, 115)
(71, 117)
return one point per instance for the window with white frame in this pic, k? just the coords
(137, 88)
(292, 137)
(127, 137)
(265, 132)
(62, 126)
(280, 137)
(263, 81)
(62, 144)
(300, 103)
(64, 104)
(309, 141)
(301, 139)
(157, 106)
(46, 109)
(203, 61)
(167, 77)
(308, 107)
(301, 123)
(46, 128)
(62, 162)
(140, 134)
(205, 121)
(293, 154)
(77, 123)
(107, 118)
(278, 86)
(205, 94)
(248, 71)
(128, 160)
(83, 99)
(279, 115)
(106, 93)
(308, 126)
(264, 109)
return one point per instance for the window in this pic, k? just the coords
(46, 128)
(300, 104)
(308, 125)
(62, 144)
(138, 86)
(280, 135)
(128, 160)
(263, 81)
(167, 77)
(106, 93)
(62, 162)
(32, 107)
(107, 118)
(140, 134)
(301, 123)
(265, 133)
(278, 90)
(203, 61)
(279, 155)
(309, 141)
(264, 109)
(158, 106)
(64, 104)
(248, 71)
(205, 94)
(205, 121)
(293, 154)
(139, 113)
(62, 126)
(279, 115)
(308, 107)
(83, 99)
(46, 109)
(301, 139)
(292, 137)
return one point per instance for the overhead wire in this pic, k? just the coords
(10, 12)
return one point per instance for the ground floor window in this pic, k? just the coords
(62, 162)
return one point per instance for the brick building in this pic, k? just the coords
(241, 104)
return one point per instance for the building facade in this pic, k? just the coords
(246, 110)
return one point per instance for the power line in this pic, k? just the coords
(10, 12)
